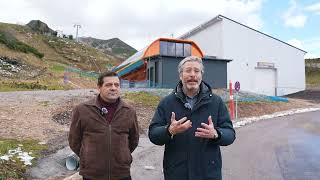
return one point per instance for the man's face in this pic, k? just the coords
(110, 89)
(191, 76)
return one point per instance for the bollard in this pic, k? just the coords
(72, 162)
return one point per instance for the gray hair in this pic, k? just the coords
(190, 59)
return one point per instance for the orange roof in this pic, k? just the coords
(154, 47)
(153, 50)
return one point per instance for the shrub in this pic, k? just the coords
(12, 43)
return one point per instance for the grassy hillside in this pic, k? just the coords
(313, 72)
(113, 46)
(36, 60)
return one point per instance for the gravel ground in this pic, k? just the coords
(312, 95)
(28, 114)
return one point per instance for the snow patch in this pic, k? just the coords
(23, 156)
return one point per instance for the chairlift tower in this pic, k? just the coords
(77, 26)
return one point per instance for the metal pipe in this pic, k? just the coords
(72, 162)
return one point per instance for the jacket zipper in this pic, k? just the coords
(110, 132)
(109, 159)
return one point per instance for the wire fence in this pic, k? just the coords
(165, 89)
(146, 84)
(90, 74)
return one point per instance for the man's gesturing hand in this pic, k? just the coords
(179, 126)
(207, 130)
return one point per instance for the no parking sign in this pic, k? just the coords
(237, 86)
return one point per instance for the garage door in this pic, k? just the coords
(265, 81)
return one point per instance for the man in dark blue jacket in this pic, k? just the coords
(193, 123)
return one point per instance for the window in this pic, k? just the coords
(187, 50)
(163, 48)
(179, 49)
(175, 49)
(171, 48)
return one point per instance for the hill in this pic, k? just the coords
(110, 46)
(32, 57)
(313, 72)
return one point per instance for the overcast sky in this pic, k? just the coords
(139, 22)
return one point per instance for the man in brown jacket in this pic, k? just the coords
(104, 133)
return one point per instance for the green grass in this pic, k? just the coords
(22, 86)
(42, 84)
(313, 77)
(12, 43)
(14, 168)
(144, 98)
(57, 68)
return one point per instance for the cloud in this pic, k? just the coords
(314, 8)
(293, 17)
(136, 22)
(311, 45)
(296, 43)
(311, 56)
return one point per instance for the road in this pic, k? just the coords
(283, 148)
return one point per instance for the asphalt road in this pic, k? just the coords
(284, 148)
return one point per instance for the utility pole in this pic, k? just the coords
(77, 26)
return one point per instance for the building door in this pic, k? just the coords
(156, 74)
(265, 81)
(151, 79)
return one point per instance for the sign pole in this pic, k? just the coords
(236, 105)
(237, 88)
(231, 102)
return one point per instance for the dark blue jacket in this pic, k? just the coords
(187, 157)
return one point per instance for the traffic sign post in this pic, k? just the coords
(237, 88)
(231, 102)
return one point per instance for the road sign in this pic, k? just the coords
(237, 86)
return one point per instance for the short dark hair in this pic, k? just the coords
(106, 74)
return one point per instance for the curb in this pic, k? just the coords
(246, 121)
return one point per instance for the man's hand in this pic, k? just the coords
(207, 130)
(179, 126)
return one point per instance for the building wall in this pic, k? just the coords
(210, 40)
(170, 75)
(245, 47)
(215, 72)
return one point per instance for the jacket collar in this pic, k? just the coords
(204, 94)
(205, 90)
(95, 102)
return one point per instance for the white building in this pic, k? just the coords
(261, 63)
